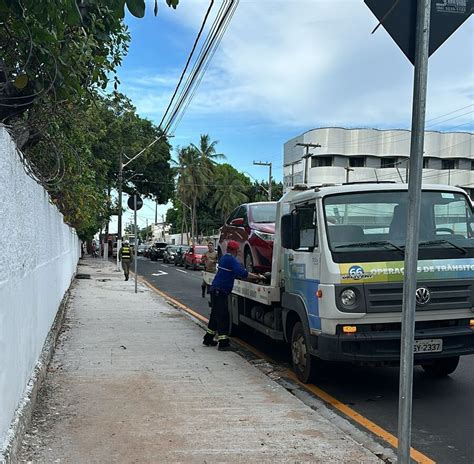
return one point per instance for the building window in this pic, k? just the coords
(356, 161)
(321, 161)
(449, 164)
(426, 163)
(472, 165)
(388, 162)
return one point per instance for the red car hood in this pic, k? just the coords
(268, 228)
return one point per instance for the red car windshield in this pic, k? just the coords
(200, 250)
(264, 213)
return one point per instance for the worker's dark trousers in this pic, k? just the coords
(219, 319)
(126, 267)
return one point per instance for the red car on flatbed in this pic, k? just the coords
(252, 225)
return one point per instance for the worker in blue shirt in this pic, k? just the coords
(227, 271)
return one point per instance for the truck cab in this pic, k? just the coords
(343, 259)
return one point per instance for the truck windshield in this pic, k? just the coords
(371, 226)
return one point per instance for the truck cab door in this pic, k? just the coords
(302, 264)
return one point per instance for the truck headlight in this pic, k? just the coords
(348, 297)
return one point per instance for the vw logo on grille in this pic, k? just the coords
(423, 296)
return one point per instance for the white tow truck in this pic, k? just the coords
(336, 284)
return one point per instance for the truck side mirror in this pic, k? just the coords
(286, 231)
(290, 236)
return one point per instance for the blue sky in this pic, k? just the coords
(285, 67)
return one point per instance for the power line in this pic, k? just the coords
(203, 24)
(196, 74)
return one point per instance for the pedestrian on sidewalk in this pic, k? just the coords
(227, 271)
(125, 255)
(210, 260)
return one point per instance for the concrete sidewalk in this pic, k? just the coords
(130, 382)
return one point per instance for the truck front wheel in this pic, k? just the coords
(441, 367)
(304, 364)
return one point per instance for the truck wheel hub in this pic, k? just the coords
(299, 351)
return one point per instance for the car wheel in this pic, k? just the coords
(441, 367)
(186, 265)
(304, 364)
(248, 260)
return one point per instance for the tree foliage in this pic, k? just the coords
(54, 58)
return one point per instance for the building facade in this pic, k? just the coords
(357, 155)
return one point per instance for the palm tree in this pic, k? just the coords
(191, 182)
(229, 192)
(207, 154)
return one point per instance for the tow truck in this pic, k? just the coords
(336, 284)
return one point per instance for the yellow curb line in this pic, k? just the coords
(416, 455)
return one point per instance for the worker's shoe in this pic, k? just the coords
(208, 340)
(224, 344)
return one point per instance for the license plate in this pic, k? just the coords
(434, 345)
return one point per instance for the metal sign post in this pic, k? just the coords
(413, 226)
(136, 237)
(135, 202)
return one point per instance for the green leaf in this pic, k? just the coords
(156, 7)
(136, 7)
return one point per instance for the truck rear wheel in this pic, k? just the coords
(304, 364)
(441, 367)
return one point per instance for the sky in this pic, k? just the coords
(285, 67)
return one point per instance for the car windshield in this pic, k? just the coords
(200, 250)
(263, 213)
(369, 224)
(172, 249)
(160, 245)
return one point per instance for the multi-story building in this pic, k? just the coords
(354, 155)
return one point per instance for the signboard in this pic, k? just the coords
(131, 202)
(398, 17)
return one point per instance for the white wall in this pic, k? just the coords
(38, 257)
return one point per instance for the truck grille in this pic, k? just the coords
(382, 298)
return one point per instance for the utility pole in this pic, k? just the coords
(348, 170)
(306, 156)
(120, 181)
(119, 221)
(259, 163)
(156, 211)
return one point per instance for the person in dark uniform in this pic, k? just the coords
(228, 270)
(125, 255)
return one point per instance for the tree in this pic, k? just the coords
(207, 154)
(229, 190)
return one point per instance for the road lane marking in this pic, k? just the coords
(164, 265)
(160, 273)
(180, 270)
(366, 423)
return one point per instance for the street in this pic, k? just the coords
(443, 409)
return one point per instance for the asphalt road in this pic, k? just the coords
(443, 409)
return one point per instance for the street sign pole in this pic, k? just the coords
(413, 225)
(136, 237)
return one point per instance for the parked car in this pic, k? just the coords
(157, 251)
(252, 225)
(179, 256)
(169, 253)
(193, 257)
(141, 249)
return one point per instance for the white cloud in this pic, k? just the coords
(314, 62)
